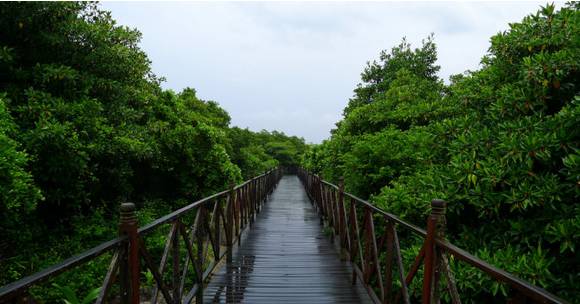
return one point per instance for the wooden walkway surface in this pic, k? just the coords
(285, 258)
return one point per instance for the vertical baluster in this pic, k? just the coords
(374, 254)
(215, 239)
(252, 199)
(230, 216)
(168, 245)
(175, 251)
(317, 196)
(429, 277)
(309, 183)
(262, 190)
(240, 198)
(129, 266)
(321, 201)
(109, 278)
(237, 211)
(200, 232)
(335, 219)
(256, 196)
(397, 250)
(389, 262)
(338, 212)
(356, 248)
(451, 287)
(246, 204)
(344, 239)
(329, 205)
(361, 243)
(243, 210)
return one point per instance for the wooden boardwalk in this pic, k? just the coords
(285, 258)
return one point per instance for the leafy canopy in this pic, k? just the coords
(500, 144)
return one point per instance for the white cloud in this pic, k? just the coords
(292, 66)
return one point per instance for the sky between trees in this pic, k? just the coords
(292, 66)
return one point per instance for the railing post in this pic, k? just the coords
(320, 200)
(252, 200)
(436, 218)
(340, 188)
(199, 236)
(129, 266)
(175, 262)
(230, 216)
(340, 211)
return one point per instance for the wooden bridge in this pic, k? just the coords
(285, 258)
(279, 238)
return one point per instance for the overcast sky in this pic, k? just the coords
(292, 66)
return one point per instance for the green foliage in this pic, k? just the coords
(18, 194)
(85, 125)
(69, 296)
(499, 144)
(378, 76)
(255, 153)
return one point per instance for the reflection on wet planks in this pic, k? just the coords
(285, 258)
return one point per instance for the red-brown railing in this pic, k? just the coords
(223, 214)
(374, 244)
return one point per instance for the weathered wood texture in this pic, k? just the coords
(285, 258)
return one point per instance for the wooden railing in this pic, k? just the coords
(369, 238)
(223, 214)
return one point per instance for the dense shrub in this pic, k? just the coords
(85, 125)
(500, 144)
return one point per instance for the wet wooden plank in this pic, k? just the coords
(285, 258)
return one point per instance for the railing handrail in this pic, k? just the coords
(386, 214)
(14, 288)
(532, 291)
(177, 213)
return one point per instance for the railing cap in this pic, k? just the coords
(127, 207)
(128, 212)
(438, 204)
